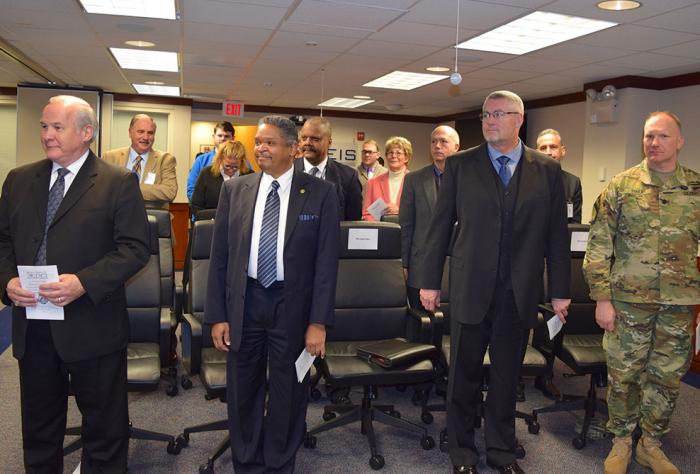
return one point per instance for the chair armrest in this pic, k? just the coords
(420, 326)
(165, 335)
(178, 301)
(191, 338)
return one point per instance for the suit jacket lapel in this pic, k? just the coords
(485, 172)
(429, 188)
(40, 191)
(153, 158)
(247, 206)
(528, 177)
(297, 197)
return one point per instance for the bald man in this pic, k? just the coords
(420, 190)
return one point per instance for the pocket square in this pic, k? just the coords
(307, 217)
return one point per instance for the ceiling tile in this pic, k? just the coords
(472, 15)
(650, 61)
(232, 14)
(684, 19)
(636, 38)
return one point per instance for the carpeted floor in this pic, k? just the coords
(345, 450)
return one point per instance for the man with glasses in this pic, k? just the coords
(509, 203)
(315, 139)
(369, 167)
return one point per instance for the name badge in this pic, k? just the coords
(569, 210)
(150, 179)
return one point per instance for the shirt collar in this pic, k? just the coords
(321, 166)
(513, 154)
(133, 154)
(437, 171)
(73, 167)
(285, 181)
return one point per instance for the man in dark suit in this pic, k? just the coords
(420, 190)
(315, 139)
(86, 217)
(270, 294)
(549, 142)
(509, 203)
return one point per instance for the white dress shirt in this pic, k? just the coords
(321, 168)
(285, 182)
(132, 160)
(73, 169)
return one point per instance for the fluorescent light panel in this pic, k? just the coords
(345, 103)
(405, 81)
(534, 31)
(164, 9)
(145, 60)
(156, 90)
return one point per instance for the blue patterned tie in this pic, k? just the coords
(267, 250)
(504, 171)
(55, 198)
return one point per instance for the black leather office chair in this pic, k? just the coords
(198, 353)
(148, 350)
(371, 306)
(580, 346)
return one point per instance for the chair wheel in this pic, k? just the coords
(182, 440)
(443, 441)
(171, 390)
(395, 414)
(315, 394)
(579, 442)
(426, 417)
(309, 441)
(533, 427)
(186, 383)
(419, 396)
(328, 415)
(376, 462)
(427, 442)
(207, 468)
(209, 397)
(519, 451)
(173, 448)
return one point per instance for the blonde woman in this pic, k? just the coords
(388, 186)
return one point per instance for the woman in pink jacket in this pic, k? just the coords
(388, 186)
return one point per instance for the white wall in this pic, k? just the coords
(8, 135)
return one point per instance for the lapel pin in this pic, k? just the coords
(302, 191)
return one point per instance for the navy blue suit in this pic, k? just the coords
(268, 326)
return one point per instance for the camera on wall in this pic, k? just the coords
(298, 120)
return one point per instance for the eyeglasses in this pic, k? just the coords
(234, 166)
(498, 115)
(369, 152)
(395, 153)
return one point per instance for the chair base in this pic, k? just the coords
(590, 403)
(134, 433)
(367, 413)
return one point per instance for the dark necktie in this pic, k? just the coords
(314, 172)
(504, 171)
(55, 198)
(136, 169)
(438, 181)
(267, 249)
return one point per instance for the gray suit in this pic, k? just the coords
(415, 211)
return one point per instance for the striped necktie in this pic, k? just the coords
(55, 198)
(267, 250)
(136, 169)
(315, 172)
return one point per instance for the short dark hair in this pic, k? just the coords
(226, 127)
(286, 126)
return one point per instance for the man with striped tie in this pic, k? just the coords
(270, 294)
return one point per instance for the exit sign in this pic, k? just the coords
(232, 109)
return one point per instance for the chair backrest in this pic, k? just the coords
(167, 266)
(143, 299)
(370, 292)
(200, 249)
(204, 214)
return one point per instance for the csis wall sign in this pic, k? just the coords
(231, 108)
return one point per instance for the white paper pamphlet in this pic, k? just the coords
(31, 277)
(303, 364)
(579, 240)
(377, 209)
(554, 325)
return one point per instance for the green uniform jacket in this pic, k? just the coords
(643, 239)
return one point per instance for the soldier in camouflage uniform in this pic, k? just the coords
(641, 267)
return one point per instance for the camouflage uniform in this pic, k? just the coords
(641, 255)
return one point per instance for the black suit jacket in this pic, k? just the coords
(469, 195)
(311, 240)
(348, 186)
(572, 191)
(418, 199)
(206, 190)
(99, 233)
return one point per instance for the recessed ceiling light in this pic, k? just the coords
(437, 69)
(145, 60)
(156, 90)
(405, 81)
(618, 5)
(362, 97)
(345, 103)
(534, 31)
(164, 9)
(311, 43)
(140, 44)
(154, 83)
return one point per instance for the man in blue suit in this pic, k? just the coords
(270, 294)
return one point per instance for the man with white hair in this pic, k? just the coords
(86, 217)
